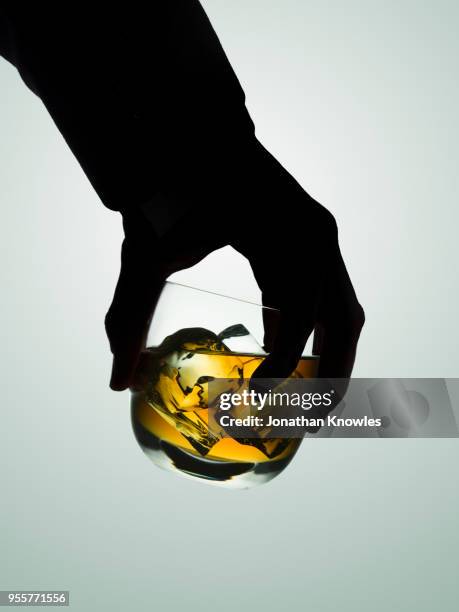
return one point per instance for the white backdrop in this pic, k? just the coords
(359, 101)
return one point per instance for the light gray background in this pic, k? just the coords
(359, 101)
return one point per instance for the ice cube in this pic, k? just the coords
(176, 374)
(239, 340)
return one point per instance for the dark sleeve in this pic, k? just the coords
(142, 97)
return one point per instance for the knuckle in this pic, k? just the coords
(111, 324)
(325, 222)
(360, 316)
(329, 221)
(354, 320)
(348, 321)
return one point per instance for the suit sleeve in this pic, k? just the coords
(143, 100)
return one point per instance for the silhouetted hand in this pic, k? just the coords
(291, 243)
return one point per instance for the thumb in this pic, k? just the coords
(137, 291)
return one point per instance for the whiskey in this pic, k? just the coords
(171, 414)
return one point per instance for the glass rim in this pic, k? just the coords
(222, 295)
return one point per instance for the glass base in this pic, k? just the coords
(230, 474)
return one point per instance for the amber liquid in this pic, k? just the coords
(175, 427)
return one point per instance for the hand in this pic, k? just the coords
(291, 243)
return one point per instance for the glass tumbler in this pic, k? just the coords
(196, 336)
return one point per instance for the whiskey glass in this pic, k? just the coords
(197, 336)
